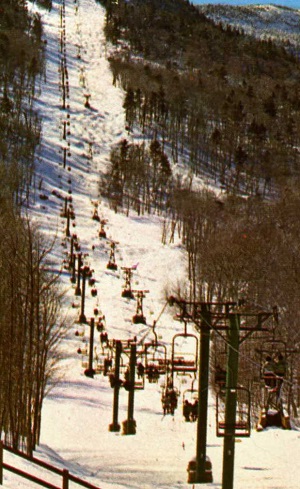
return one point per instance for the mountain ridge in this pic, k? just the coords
(258, 20)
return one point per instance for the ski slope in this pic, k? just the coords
(78, 409)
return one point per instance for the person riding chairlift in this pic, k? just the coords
(269, 372)
(140, 370)
(280, 365)
(280, 369)
(187, 409)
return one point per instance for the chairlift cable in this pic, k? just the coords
(161, 313)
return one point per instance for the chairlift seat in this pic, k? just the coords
(99, 368)
(270, 380)
(241, 428)
(84, 363)
(239, 425)
(180, 364)
(139, 384)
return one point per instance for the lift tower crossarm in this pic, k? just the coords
(191, 311)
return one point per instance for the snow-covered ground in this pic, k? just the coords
(78, 410)
(264, 21)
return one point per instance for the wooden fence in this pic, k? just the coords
(63, 473)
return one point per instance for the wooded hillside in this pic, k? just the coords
(225, 103)
(29, 295)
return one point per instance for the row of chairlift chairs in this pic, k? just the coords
(153, 353)
(184, 361)
(274, 356)
(152, 363)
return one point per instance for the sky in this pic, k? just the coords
(78, 410)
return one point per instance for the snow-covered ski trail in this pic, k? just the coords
(78, 411)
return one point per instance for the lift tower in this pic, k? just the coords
(139, 315)
(204, 316)
(127, 291)
(224, 318)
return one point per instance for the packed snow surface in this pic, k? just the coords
(78, 409)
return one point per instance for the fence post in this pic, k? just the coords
(65, 479)
(1, 463)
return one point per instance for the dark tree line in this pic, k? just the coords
(232, 100)
(236, 247)
(242, 248)
(225, 103)
(245, 251)
(21, 62)
(30, 298)
(30, 330)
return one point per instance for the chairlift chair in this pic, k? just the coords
(273, 412)
(190, 395)
(220, 377)
(103, 364)
(80, 331)
(139, 382)
(219, 361)
(85, 361)
(274, 415)
(155, 360)
(242, 424)
(83, 348)
(270, 348)
(182, 360)
(169, 399)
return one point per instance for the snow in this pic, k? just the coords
(264, 21)
(78, 409)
